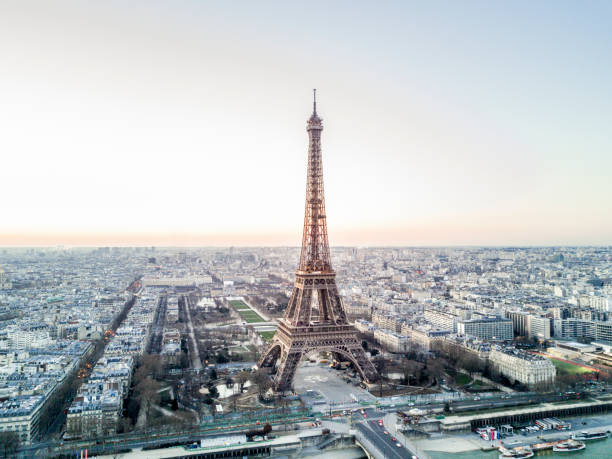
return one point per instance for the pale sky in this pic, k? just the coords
(183, 122)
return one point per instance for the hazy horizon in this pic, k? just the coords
(183, 123)
(120, 241)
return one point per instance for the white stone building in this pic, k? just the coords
(392, 341)
(527, 369)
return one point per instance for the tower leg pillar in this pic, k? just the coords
(286, 370)
(363, 364)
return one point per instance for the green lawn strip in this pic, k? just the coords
(248, 313)
(568, 368)
(239, 304)
(250, 316)
(267, 335)
(253, 320)
(463, 379)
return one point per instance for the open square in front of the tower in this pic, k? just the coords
(321, 385)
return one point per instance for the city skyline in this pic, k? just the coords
(177, 124)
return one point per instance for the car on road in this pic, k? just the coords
(399, 445)
(393, 439)
(386, 433)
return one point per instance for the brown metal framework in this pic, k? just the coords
(308, 327)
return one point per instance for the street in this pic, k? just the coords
(382, 441)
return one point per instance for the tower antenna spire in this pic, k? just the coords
(314, 101)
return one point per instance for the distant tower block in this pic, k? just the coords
(5, 283)
(322, 326)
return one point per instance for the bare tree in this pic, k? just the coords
(262, 381)
(566, 380)
(148, 394)
(9, 442)
(241, 378)
(125, 425)
(470, 362)
(543, 386)
(435, 368)
(410, 370)
(381, 365)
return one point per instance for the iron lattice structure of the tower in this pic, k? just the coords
(306, 328)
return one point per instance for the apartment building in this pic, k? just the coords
(392, 341)
(522, 367)
(491, 328)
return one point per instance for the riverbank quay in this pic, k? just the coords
(470, 442)
(470, 421)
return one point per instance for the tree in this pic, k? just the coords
(470, 362)
(409, 369)
(566, 380)
(9, 442)
(261, 380)
(133, 407)
(148, 394)
(241, 378)
(183, 360)
(125, 425)
(435, 368)
(151, 365)
(381, 365)
(542, 386)
(604, 376)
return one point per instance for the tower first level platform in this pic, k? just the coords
(315, 321)
(293, 343)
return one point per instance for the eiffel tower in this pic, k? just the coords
(315, 319)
